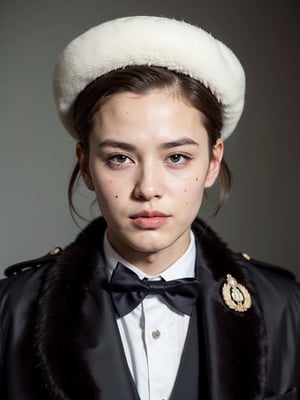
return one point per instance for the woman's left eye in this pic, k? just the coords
(178, 158)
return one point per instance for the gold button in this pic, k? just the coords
(54, 251)
(155, 334)
(246, 256)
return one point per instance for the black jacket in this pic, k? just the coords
(59, 339)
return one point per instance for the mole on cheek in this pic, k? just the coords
(116, 196)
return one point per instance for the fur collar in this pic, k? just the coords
(74, 305)
(235, 341)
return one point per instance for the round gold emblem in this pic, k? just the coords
(235, 295)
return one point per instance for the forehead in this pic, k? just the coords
(155, 116)
(162, 102)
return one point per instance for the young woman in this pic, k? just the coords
(148, 303)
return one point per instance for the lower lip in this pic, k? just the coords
(149, 222)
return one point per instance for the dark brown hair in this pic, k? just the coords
(141, 80)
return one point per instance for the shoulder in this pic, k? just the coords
(220, 256)
(22, 280)
(32, 264)
(266, 272)
(277, 286)
(264, 267)
(19, 295)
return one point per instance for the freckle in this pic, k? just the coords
(197, 179)
(185, 190)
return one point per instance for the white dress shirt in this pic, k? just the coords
(153, 334)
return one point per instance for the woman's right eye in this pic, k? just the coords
(118, 160)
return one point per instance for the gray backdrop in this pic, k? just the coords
(37, 156)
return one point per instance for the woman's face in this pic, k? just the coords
(149, 164)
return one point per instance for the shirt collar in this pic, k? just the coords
(184, 267)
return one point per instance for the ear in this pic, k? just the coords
(83, 162)
(215, 163)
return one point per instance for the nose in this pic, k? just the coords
(148, 183)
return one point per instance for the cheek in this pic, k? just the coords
(193, 191)
(107, 192)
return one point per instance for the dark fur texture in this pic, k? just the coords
(60, 317)
(234, 342)
(237, 341)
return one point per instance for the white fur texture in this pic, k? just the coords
(156, 41)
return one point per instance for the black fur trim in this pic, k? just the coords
(64, 369)
(238, 345)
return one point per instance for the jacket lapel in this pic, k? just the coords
(78, 342)
(234, 341)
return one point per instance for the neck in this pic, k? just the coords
(152, 263)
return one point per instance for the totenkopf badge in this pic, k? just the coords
(235, 295)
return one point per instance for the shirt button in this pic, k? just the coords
(155, 334)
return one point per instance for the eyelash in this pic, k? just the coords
(183, 156)
(112, 160)
(114, 157)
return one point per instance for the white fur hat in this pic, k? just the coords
(156, 41)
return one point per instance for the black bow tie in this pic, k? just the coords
(128, 291)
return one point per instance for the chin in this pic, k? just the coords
(151, 245)
(148, 247)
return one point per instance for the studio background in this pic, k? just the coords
(37, 156)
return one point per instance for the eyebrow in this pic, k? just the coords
(178, 143)
(129, 147)
(116, 144)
